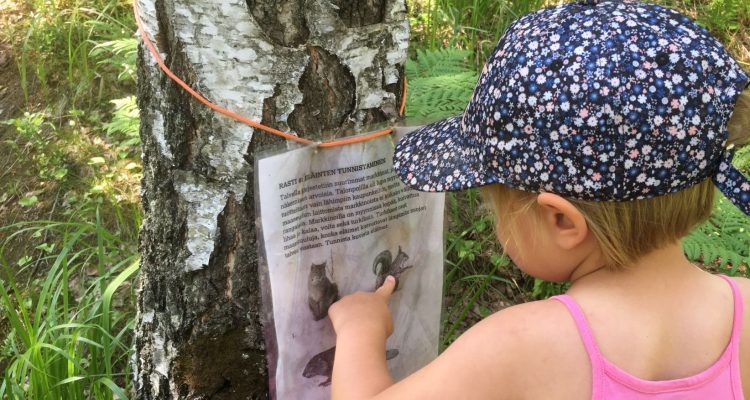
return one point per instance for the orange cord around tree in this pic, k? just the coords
(245, 120)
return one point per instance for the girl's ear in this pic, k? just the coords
(565, 223)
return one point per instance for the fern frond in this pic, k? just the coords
(742, 159)
(440, 83)
(723, 240)
(431, 63)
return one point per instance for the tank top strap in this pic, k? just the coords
(734, 342)
(589, 343)
(738, 313)
(597, 360)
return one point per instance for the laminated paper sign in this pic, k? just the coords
(334, 221)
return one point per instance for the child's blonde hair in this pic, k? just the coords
(628, 230)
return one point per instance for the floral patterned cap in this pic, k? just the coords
(609, 101)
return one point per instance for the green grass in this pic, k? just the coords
(476, 25)
(66, 281)
(69, 315)
(57, 42)
(473, 25)
(68, 340)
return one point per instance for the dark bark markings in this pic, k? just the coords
(263, 140)
(206, 365)
(181, 128)
(328, 89)
(355, 13)
(164, 225)
(283, 21)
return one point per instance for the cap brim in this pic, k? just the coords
(438, 158)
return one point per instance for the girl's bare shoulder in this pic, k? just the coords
(526, 322)
(528, 351)
(541, 347)
(543, 326)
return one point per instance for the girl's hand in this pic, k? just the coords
(362, 322)
(364, 311)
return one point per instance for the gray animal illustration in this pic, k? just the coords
(385, 265)
(321, 364)
(321, 291)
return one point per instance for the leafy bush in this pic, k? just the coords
(39, 137)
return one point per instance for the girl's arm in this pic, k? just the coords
(505, 356)
(484, 362)
(363, 323)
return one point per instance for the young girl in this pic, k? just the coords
(597, 132)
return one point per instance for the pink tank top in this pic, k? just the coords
(718, 382)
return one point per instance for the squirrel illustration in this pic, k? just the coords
(321, 291)
(321, 364)
(385, 265)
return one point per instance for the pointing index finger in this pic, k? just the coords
(388, 286)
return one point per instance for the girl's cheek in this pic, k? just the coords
(509, 245)
(515, 255)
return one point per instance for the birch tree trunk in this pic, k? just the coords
(318, 68)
